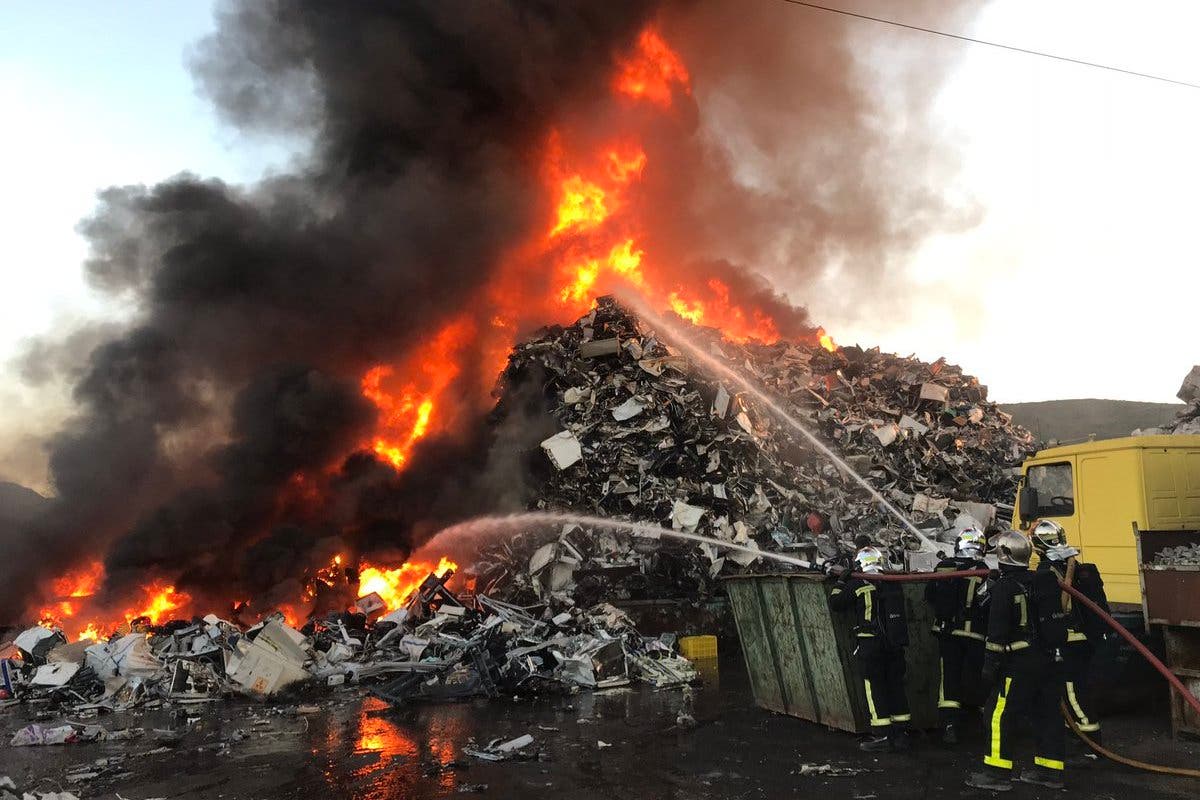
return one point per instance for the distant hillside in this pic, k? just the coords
(1075, 420)
(18, 504)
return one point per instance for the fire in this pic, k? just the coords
(592, 240)
(582, 205)
(159, 603)
(80, 583)
(395, 586)
(592, 243)
(825, 340)
(652, 71)
(406, 406)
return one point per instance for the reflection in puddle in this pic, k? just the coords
(392, 751)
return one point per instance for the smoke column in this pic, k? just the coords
(218, 440)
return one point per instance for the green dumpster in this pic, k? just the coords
(800, 653)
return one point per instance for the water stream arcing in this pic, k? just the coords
(680, 338)
(483, 526)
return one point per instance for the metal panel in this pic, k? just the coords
(1183, 658)
(785, 632)
(764, 680)
(833, 671)
(799, 653)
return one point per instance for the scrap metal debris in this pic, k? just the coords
(439, 646)
(1187, 420)
(646, 436)
(1185, 555)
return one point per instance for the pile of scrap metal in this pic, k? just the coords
(436, 647)
(645, 434)
(492, 647)
(1187, 420)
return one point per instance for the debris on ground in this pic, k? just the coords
(442, 647)
(500, 750)
(830, 770)
(641, 435)
(9, 791)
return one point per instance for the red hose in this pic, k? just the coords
(1176, 684)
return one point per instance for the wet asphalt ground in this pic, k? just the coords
(623, 743)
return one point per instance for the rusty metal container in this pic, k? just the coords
(799, 652)
(1171, 600)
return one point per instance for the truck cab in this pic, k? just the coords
(1103, 492)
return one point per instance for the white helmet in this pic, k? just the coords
(971, 543)
(869, 559)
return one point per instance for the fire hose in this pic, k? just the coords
(1144, 651)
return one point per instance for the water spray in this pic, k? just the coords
(680, 337)
(493, 524)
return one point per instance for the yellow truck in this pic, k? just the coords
(1104, 492)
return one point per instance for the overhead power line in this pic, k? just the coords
(973, 40)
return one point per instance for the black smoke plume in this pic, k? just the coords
(217, 440)
(265, 305)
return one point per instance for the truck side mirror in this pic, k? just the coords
(1028, 504)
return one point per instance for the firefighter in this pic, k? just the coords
(881, 634)
(1084, 629)
(959, 623)
(1025, 630)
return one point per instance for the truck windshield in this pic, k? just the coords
(1055, 489)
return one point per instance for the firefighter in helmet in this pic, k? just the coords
(1025, 630)
(881, 634)
(960, 624)
(1084, 629)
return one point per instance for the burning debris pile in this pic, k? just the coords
(647, 437)
(439, 646)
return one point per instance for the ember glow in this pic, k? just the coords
(396, 586)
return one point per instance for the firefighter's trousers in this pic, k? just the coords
(960, 661)
(883, 668)
(1077, 694)
(1028, 688)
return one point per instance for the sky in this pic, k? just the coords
(1082, 274)
(1086, 255)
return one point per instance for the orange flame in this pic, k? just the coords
(80, 583)
(406, 410)
(652, 71)
(396, 586)
(592, 244)
(825, 340)
(159, 603)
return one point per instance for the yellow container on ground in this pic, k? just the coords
(695, 648)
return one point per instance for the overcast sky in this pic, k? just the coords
(1085, 257)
